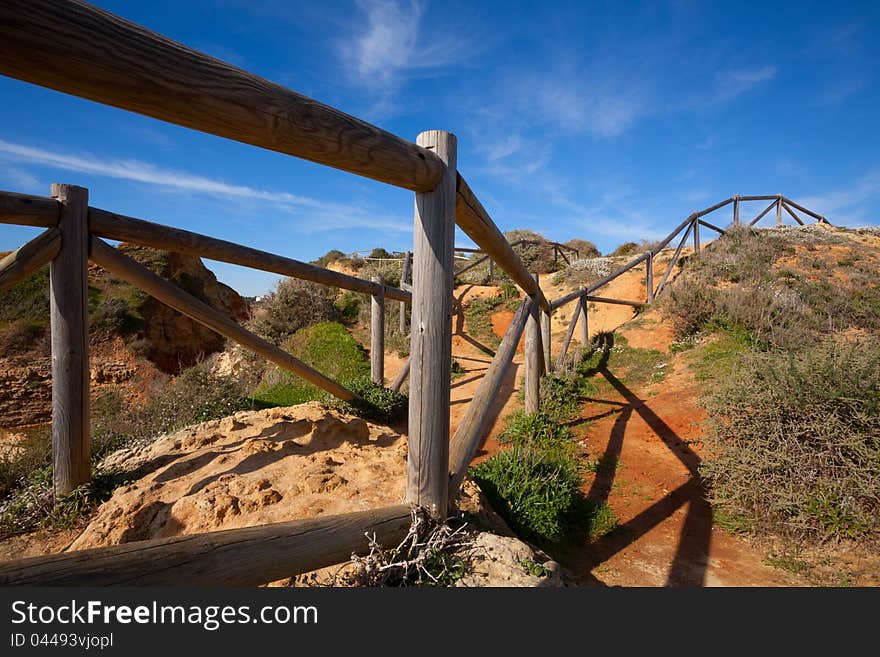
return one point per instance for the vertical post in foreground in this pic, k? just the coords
(377, 334)
(649, 276)
(427, 483)
(404, 275)
(585, 324)
(69, 318)
(735, 210)
(779, 210)
(533, 361)
(696, 236)
(545, 342)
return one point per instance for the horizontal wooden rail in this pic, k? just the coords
(819, 217)
(717, 206)
(27, 210)
(619, 302)
(568, 298)
(143, 278)
(472, 218)
(666, 240)
(472, 428)
(757, 198)
(675, 256)
(137, 231)
(712, 226)
(76, 48)
(23, 262)
(233, 557)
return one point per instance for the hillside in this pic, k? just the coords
(634, 408)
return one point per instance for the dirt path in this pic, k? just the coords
(648, 439)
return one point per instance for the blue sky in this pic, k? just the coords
(604, 121)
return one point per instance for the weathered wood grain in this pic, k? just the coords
(27, 210)
(233, 557)
(377, 335)
(76, 48)
(69, 327)
(472, 429)
(28, 258)
(146, 233)
(431, 340)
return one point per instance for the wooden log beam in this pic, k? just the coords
(472, 218)
(563, 349)
(757, 198)
(377, 335)
(666, 240)
(427, 483)
(532, 383)
(69, 327)
(141, 277)
(76, 48)
(27, 210)
(617, 302)
(649, 277)
(695, 227)
(545, 342)
(585, 325)
(234, 557)
(819, 217)
(472, 429)
(736, 200)
(779, 210)
(674, 259)
(600, 283)
(402, 375)
(761, 216)
(405, 270)
(791, 212)
(146, 233)
(717, 206)
(23, 262)
(712, 227)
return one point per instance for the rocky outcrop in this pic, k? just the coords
(170, 340)
(25, 392)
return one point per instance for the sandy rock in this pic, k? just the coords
(499, 561)
(252, 468)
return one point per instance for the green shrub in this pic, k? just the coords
(585, 248)
(327, 347)
(793, 441)
(560, 399)
(535, 482)
(625, 249)
(376, 402)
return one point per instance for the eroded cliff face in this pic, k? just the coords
(168, 339)
(130, 332)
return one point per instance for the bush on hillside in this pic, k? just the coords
(585, 248)
(536, 257)
(793, 441)
(294, 305)
(327, 347)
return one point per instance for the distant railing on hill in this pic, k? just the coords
(73, 47)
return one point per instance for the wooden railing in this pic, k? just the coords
(73, 47)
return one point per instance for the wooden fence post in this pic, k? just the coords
(545, 341)
(736, 209)
(585, 324)
(779, 210)
(404, 274)
(649, 276)
(696, 236)
(69, 321)
(377, 334)
(533, 361)
(427, 483)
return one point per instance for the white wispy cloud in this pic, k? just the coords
(323, 215)
(849, 206)
(731, 84)
(394, 44)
